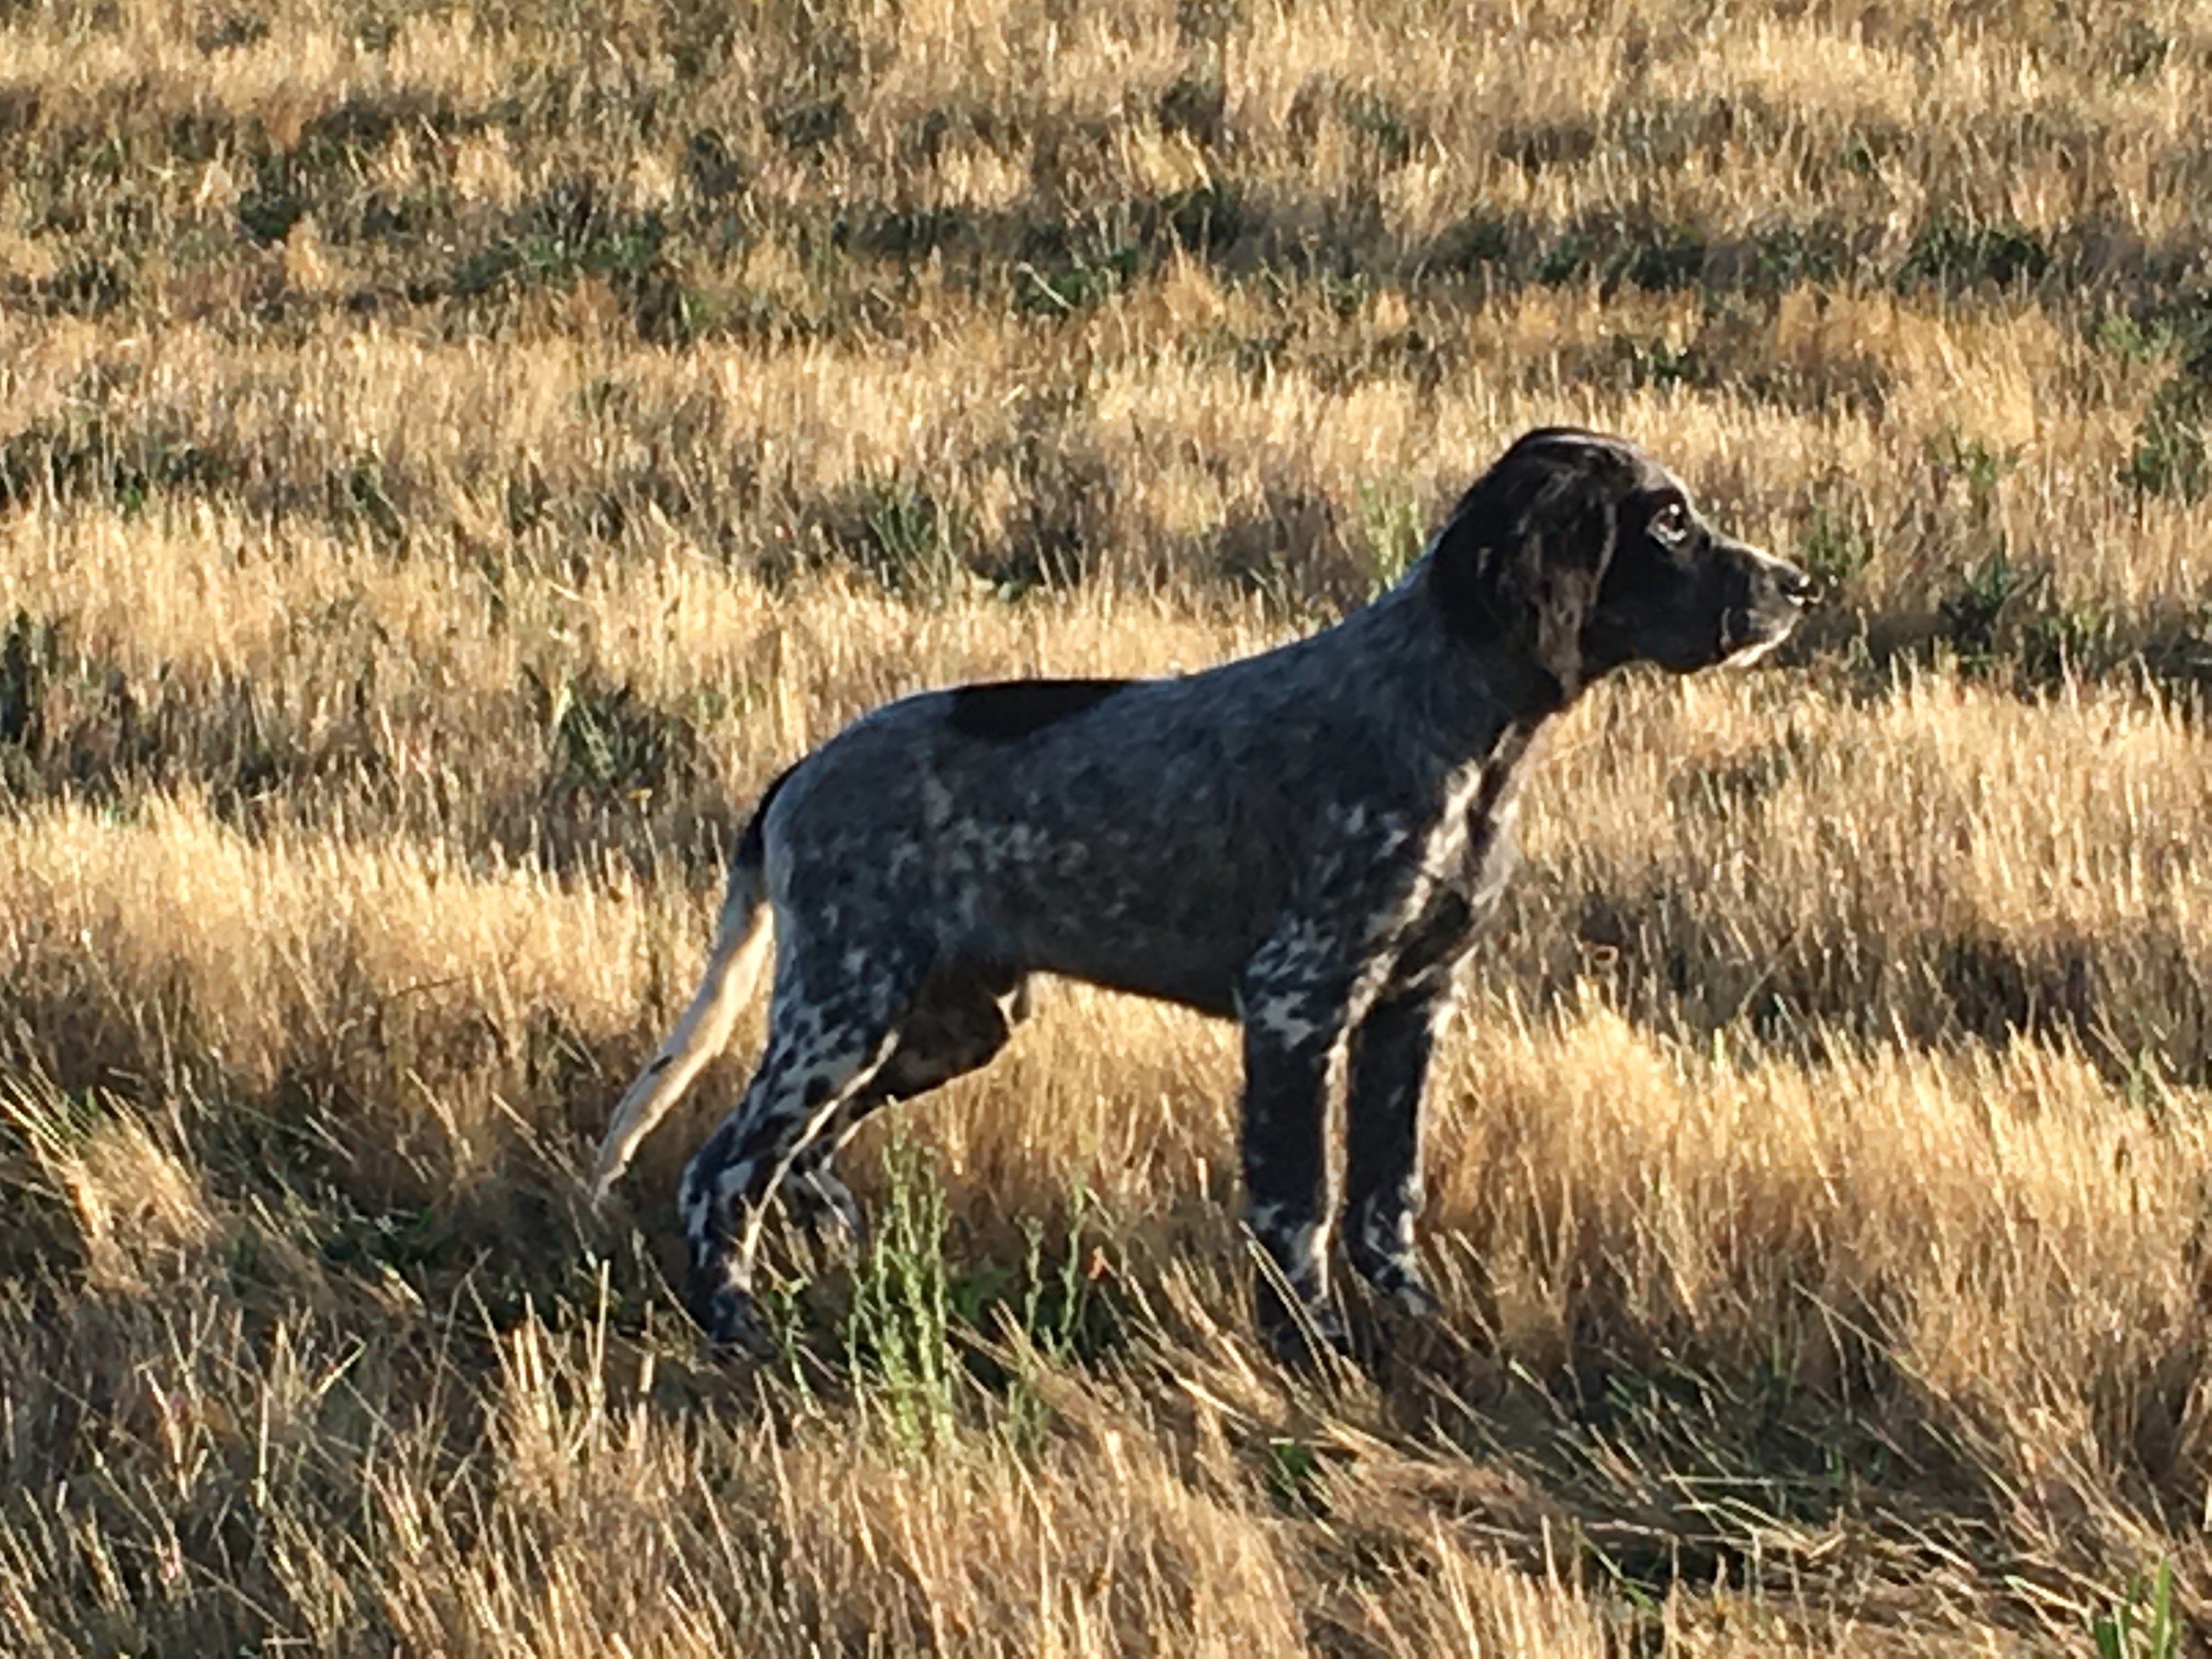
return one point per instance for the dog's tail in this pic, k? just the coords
(741, 942)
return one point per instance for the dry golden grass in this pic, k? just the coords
(450, 457)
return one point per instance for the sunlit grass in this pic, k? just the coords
(450, 459)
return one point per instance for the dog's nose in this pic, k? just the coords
(1797, 586)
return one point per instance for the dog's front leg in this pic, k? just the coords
(1388, 1065)
(1296, 1005)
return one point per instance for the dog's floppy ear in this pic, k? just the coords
(1518, 564)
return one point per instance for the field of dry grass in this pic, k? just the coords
(450, 457)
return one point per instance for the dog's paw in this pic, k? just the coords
(822, 1207)
(1401, 1284)
(1301, 1333)
(725, 1316)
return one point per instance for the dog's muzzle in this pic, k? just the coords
(1777, 593)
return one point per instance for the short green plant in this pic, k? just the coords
(1383, 123)
(897, 1331)
(574, 230)
(363, 495)
(2070, 640)
(1663, 259)
(2142, 1625)
(1063, 1318)
(1788, 253)
(1067, 266)
(1567, 260)
(1837, 544)
(51, 1123)
(2128, 337)
(1393, 530)
(608, 741)
(1650, 360)
(1970, 612)
(1292, 1473)
(1958, 254)
(2170, 457)
(1981, 464)
(913, 540)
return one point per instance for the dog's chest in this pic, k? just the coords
(1466, 854)
(1470, 845)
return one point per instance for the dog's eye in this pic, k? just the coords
(1670, 525)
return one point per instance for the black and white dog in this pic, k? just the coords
(1306, 839)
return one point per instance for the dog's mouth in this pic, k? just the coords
(1746, 636)
(1755, 640)
(1781, 595)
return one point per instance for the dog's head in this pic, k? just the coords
(1577, 553)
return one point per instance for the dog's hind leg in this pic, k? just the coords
(961, 1019)
(821, 1053)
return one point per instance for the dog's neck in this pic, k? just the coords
(1475, 705)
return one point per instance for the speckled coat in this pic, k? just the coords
(1307, 839)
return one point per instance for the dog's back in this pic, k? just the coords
(1139, 834)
